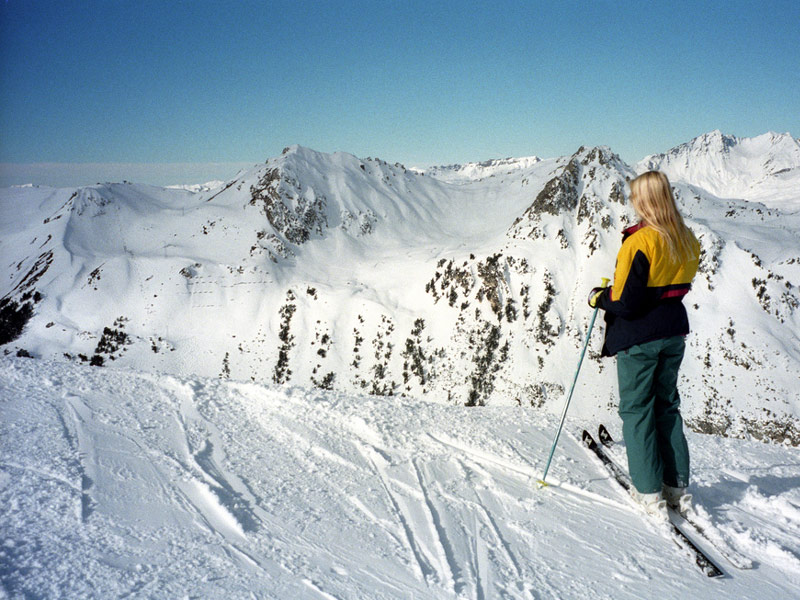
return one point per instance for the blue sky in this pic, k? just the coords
(193, 83)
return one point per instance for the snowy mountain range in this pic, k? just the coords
(281, 363)
(463, 284)
(764, 168)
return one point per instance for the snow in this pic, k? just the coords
(475, 171)
(181, 470)
(197, 280)
(765, 168)
(119, 483)
(198, 187)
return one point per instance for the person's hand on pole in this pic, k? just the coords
(595, 293)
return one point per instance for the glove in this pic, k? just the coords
(594, 295)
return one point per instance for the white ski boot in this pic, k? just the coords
(677, 498)
(653, 504)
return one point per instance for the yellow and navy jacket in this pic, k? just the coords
(645, 301)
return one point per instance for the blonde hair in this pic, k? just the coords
(651, 195)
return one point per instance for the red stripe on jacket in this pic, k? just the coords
(674, 293)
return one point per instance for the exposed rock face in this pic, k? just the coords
(573, 191)
(560, 194)
(294, 215)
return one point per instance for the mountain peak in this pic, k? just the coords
(765, 168)
(711, 142)
(601, 155)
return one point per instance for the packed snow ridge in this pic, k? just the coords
(124, 484)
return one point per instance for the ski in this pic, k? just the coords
(604, 436)
(702, 560)
(732, 556)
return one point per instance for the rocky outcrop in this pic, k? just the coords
(294, 215)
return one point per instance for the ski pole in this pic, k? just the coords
(542, 481)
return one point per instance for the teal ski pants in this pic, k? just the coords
(649, 406)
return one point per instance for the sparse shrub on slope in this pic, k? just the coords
(13, 318)
(414, 356)
(488, 359)
(112, 341)
(382, 384)
(282, 372)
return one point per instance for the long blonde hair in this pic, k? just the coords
(651, 195)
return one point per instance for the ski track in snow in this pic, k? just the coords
(124, 484)
(81, 414)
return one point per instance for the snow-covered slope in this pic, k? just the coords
(765, 168)
(199, 187)
(479, 170)
(362, 276)
(124, 484)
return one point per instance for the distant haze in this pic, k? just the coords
(81, 174)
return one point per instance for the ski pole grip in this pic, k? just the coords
(605, 281)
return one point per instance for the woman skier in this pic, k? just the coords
(646, 324)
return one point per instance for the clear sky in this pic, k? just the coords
(167, 84)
